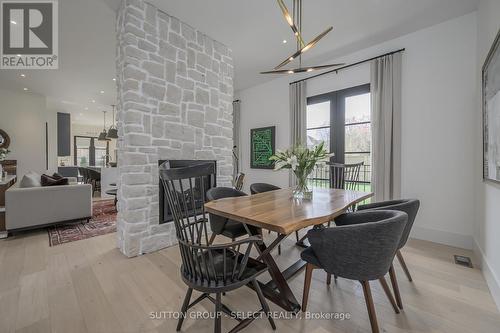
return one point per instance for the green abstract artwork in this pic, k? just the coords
(262, 142)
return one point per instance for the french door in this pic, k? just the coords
(88, 151)
(343, 120)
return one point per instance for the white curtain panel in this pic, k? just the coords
(236, 138)
(298, 106)
(386, 126)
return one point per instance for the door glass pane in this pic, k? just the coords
(315, 136)
(82, 151)
(318, 115)
(358, 138)
(365, 174)
(100, 153)
(357, 108)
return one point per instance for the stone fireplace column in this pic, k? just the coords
(175, 93)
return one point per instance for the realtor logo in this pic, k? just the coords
(29, 34)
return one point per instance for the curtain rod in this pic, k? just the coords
(348, 66)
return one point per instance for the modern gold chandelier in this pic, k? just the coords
(295, 23)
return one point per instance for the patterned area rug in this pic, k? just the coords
(103, 222)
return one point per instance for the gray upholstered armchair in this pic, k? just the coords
(221, 225)
(361, 249)
(410, 207)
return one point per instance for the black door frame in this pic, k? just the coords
(91, 149)
(337, 117)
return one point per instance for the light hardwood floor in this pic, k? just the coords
(89, 286)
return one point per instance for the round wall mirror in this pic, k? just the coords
(4, 139)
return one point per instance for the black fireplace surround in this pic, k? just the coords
(210, 182)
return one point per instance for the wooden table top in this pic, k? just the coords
(278, 211)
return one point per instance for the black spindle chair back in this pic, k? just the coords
(345, 176)
(204, 267)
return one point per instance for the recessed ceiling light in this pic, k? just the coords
(86, 108)
(18, 55)
(22, 75)
(102, 91)
(284, 41)
(114, 79)
(13, 22)
(290, 72)
(25, 89)
(310, 69)
(93, 101)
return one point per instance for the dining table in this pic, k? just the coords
(280, 212)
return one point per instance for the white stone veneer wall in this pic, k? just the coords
(175, 92)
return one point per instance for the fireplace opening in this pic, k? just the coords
(209, 182)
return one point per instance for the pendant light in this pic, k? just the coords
(295, 24)
(112, 131)
(103, 134)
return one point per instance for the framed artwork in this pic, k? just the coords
(4, 139)
(491, 113)
(262, 146)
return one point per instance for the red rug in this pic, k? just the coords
(103, 222)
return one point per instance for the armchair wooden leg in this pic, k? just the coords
(403, 264)
(184, 308)
(387, 291)
(328, 278)
(218, 313)
(212, 238)
(297, 235)
(395, 287)
(263, 303)
(370, 306)
(307, 285)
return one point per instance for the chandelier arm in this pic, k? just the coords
(306, 48)
(301, 69)
(291, 23)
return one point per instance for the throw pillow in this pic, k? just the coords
(31, 179)
(50, 181)
(57, 176)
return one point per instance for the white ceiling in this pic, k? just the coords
(254, 30)
(86, 64)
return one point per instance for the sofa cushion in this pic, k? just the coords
(31, 179)
(50, 181)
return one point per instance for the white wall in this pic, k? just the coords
(487, 229)
(23, 116)
(439, 96)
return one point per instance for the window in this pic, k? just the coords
(88, 151)
(318, 124)
(342, 119)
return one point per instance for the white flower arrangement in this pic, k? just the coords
(301, 160)
(3, 153)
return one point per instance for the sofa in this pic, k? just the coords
(32, 207)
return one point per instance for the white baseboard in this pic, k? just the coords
(491, 278)
(443, 237)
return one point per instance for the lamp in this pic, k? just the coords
(103, 134)
(112, 131)
(295, 22)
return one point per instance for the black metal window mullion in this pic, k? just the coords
(315, 128)
(360, 123)
(92, 152)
